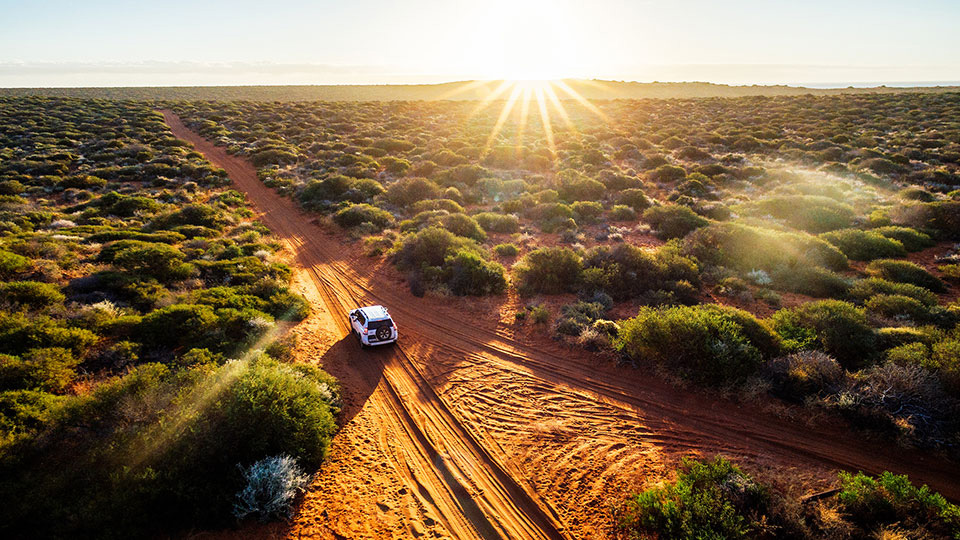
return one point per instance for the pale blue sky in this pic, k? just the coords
(63, 43)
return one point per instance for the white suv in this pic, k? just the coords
(373, 326)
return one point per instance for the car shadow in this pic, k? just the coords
(358, 370)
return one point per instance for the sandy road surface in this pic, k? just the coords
(469, 429)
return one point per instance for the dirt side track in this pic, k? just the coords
(469, 431)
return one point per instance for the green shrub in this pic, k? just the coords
(634, 198)
(862, 289)
(950, 271)
(160, 261)
(894, 305)
(463, 225)
(20, 332)
(24, 412)
(587, 211)
(318, 194)
(673, 220)
(191, 214)
(667, 173)
(888, 338)
(506, 250)
(812, 281)
(288, 306)
(621, 212)
(864, 245)
(437, 204)
(625, 271)
(549, 271)
(179, 325)
(467, 273)
(498, 223)
(12, 264)
(905, 272)
(577, 187)
(429, 247)
(30, 294)
(810, 213)
(912, 239)
(941, 216)
(181, 435)
(888, 499)
(709, 344)
(838, 328)
(358, 214)
(709, 499)
(407, 191)
(752, 248)
(48, 369)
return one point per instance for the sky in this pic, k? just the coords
(175, 42)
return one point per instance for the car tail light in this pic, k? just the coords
(364, 331)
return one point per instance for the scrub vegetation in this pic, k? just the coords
(140, 372)
(669, 207)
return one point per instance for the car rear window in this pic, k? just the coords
(373, 325)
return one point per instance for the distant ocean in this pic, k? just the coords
(899, 84)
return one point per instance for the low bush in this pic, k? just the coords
(407, 191)
(890, 499)
(586, 212)
(463, 225)
(358, 214)
(429, 205)
(49, 369)
(905, 272)
(506, 250)
(622, 212)
(812, 281)
(912, 239)
(862, 289)
(709, 499)
(549, 271)
(804, 373)
(811, 213)
(667, 173)
(231, 415)
(577, 317)
(940, 216)
(901, 399)
(12, 264)
(709, 344)
(635, 198)
(436, 257)
(897, 305)
(864, 245)
(467, 273)
(271, 485)
(160, 261)
(429, 247)
(836, 327)
(625, 271)
(30, 294)
(752, 248)
(493, 222)
(673, 220)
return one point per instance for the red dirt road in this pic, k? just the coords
(470, 428)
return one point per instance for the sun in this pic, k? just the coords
(545, 97)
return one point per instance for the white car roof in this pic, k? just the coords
(375, 313)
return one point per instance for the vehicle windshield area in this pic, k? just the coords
(374, 325)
